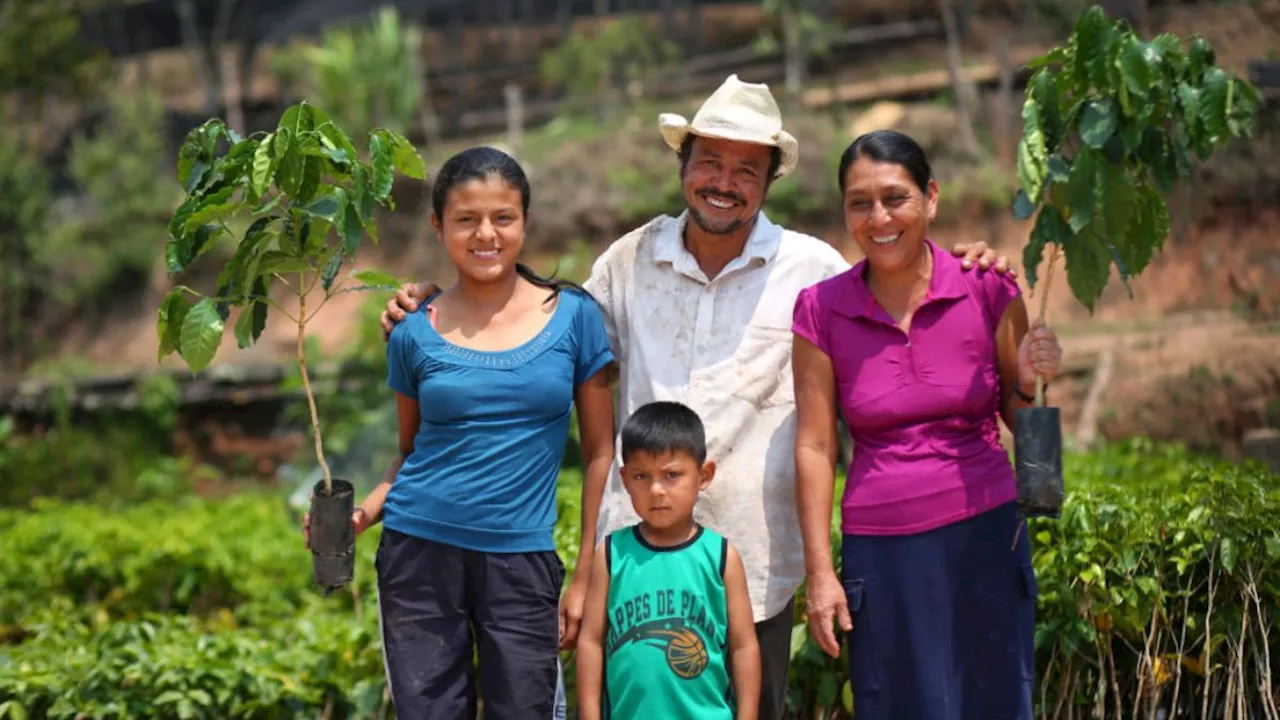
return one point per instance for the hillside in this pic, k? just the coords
(1205, 310)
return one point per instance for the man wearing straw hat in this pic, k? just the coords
(698, 309)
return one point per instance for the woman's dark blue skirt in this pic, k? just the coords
(944, 621)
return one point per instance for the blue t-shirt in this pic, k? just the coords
(482, 474)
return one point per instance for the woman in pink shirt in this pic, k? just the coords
(920, 359)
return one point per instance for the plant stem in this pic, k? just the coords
(1044, 304)
(311, 400)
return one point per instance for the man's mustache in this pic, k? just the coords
(721, 195)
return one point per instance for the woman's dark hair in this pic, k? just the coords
(479, 163)
(888, 146)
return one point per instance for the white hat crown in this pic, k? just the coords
(737, 111)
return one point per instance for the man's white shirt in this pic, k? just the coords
(722, 346)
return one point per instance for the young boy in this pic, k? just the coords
(667, 615)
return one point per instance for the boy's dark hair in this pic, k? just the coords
(659, 427)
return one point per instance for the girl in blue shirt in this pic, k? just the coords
(486, 375)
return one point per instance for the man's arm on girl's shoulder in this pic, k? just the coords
(590, 658)
(742, 638)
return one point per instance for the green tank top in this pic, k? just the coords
(668, 629)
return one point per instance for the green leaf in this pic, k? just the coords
(309, 178)
(263, 166)
(1189, 98)
(1048, 101)
(799, 634)
(213, 207)
(184, 249)
(283, 142)
(331, 269)
(269, 205)
(1114, 150)
(1082, 188)
(1088, 267)
(1200, 54)
(173, 310)
(268, 244)
(189, 155)
(195, 157)
(317, 236)
(1094, 36)
(1120, 265)
(327, 205)
(1050, 228)
(380, 154)
(334, 134)
(253, 318)
(1059, 170)
(1213, 111)
(1148, 228)
(1118, 201)
(1056, 56)
(349, 227)
(201, 335)
(233, 280)
(1031, 174)
(298, 118)
(1023, 208)
(1098, 122)
(827, 690)
(373, 277)
(404, 156)
(1227, 551)
(1272, 545)
(361, 194)
(1130, 137)
(278, 263)
(1137, 68)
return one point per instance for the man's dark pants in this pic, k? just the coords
(774, 636)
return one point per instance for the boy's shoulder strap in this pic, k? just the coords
(723, 548)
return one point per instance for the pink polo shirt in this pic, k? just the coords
(922, 407)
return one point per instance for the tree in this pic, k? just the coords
(801, 29)
(370, 72)
(1109, 126)
(297, 183)
(41, 49)
(24, 209)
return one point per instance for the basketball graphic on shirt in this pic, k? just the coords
(686, 653)
(681, 643)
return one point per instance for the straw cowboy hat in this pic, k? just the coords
(740, 111)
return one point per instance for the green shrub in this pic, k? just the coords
(204, 608)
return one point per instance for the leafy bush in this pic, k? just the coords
(204, 609)
(112, 457)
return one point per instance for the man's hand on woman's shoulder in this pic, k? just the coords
(406, 300)
(985, 257)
